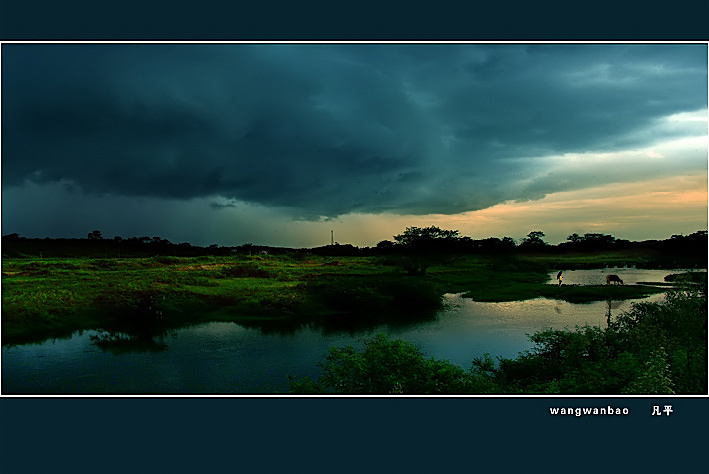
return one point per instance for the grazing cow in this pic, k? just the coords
(613, 278)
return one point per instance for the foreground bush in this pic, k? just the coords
(388, 366)
(655, 348)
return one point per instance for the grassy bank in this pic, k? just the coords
(53, 297)
(496, 279)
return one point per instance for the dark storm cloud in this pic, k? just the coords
(331, 129)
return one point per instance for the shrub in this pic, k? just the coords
(377, 298)
(243, 270)
(387, 366)
(655, 348)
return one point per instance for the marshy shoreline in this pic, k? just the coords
(54, 297)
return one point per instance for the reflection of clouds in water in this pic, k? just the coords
(630, 276)
(530, 315)
(225, 357)
(537, 312)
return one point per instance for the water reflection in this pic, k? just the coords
(630, 276)
(467, 328)
(347, 323)
(258, 356)
(122, 343)
(137, 326)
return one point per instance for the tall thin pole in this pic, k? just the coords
(332, 237)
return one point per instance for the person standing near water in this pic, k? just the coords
(558, 276)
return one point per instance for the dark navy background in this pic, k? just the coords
(353, 20)
(105, 435)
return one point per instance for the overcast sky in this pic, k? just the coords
(279, 144)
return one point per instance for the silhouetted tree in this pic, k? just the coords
(590, 241)
(574, 237)
(416, 238)
(425, 246)
(509, 242)
(385, 245)
(534, 239)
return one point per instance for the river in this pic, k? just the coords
(226, 358)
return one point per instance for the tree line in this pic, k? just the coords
(414, 240)
(429, 240)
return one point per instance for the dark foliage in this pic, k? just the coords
(429, 242)
(244, 270)
(361, 301)
(388, 366)
(653, 349)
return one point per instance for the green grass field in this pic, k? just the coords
(51, 297)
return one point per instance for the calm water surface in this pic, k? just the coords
(224, 358)
(630, 276)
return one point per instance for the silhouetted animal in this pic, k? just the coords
(613, 278)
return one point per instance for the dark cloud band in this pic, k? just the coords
(331, 129)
